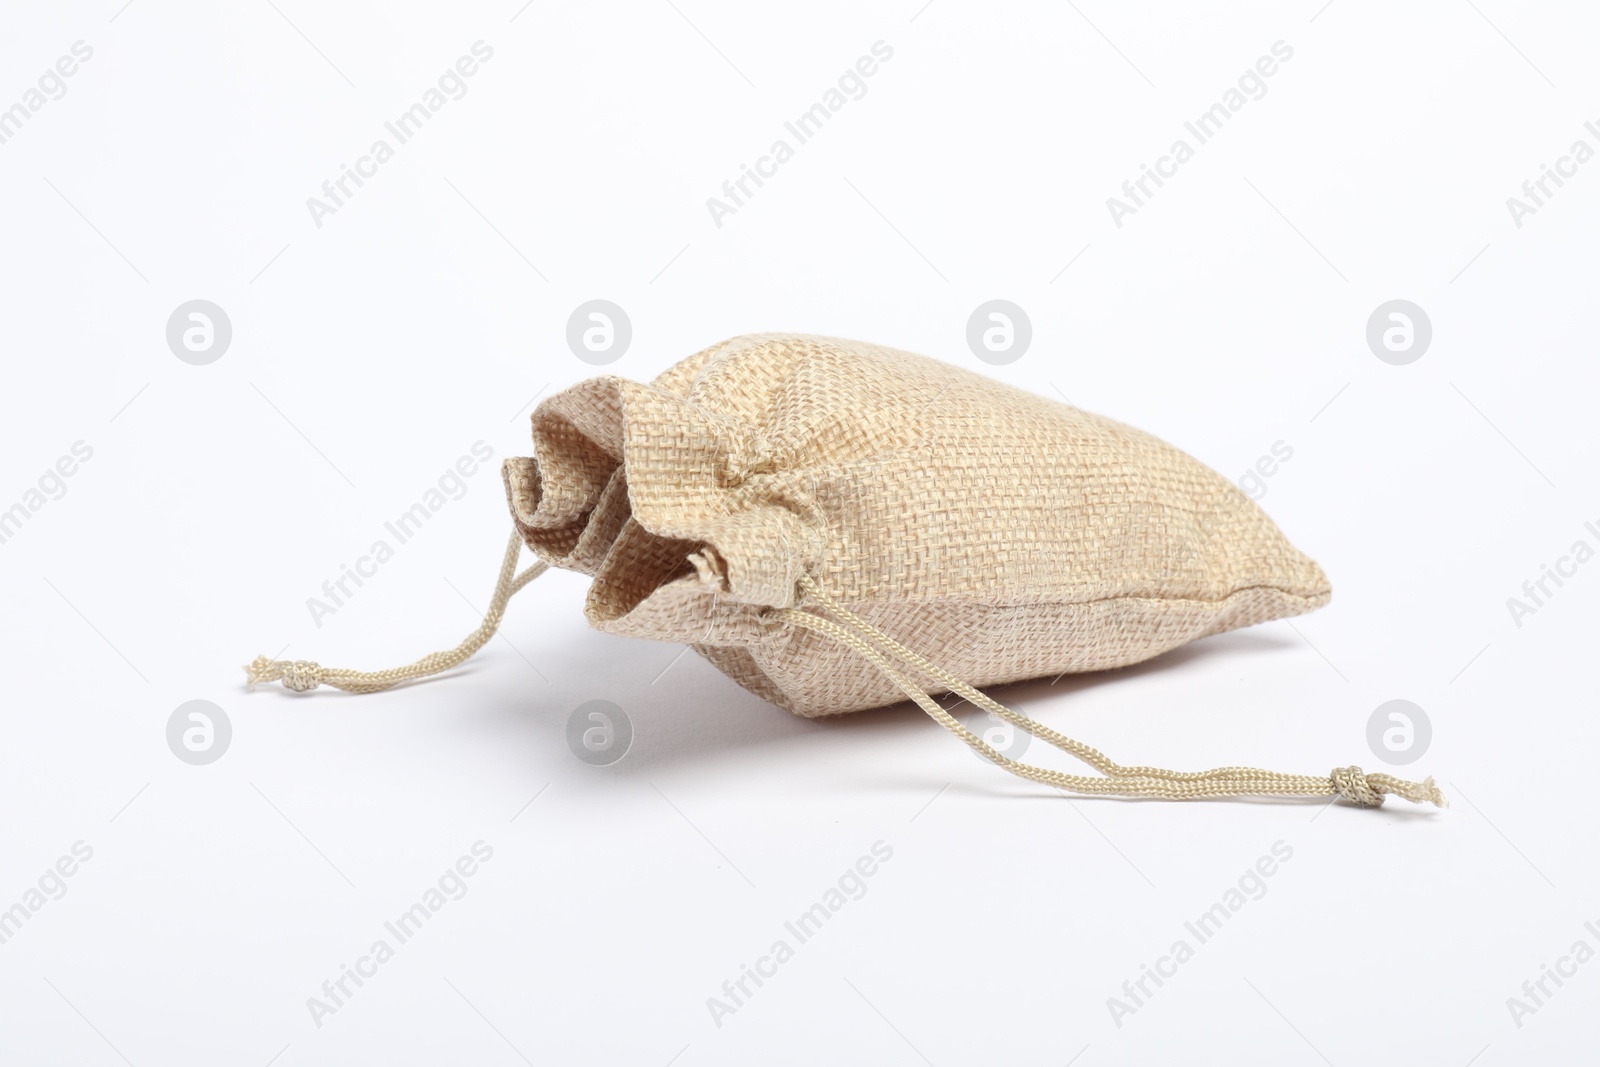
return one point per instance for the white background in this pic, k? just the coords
(1227, 315)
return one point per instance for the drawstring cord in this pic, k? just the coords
(303, 676)
(897, 661)
(1349, 783)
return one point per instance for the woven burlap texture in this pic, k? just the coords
(1001, 534)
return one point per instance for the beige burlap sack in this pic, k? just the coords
(838, 526)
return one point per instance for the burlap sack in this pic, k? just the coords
(1001, 534)
(839, 526)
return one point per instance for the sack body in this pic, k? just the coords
(1001, 534)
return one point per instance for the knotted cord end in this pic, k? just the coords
(302, 676)
(1368, 790)
(298, 675)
